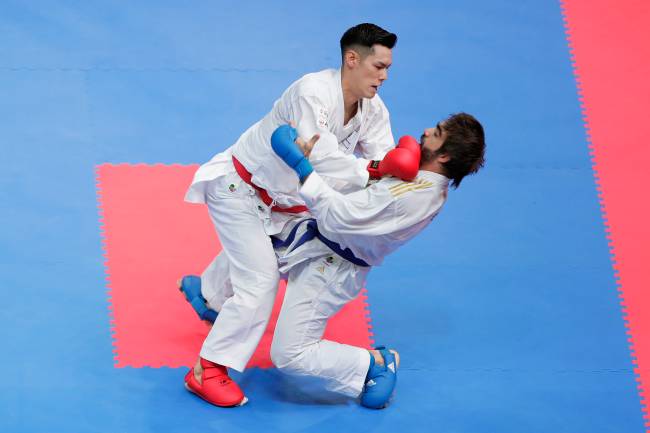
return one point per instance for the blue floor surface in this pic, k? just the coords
(505, 309)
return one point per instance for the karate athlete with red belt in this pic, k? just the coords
(328, 259)
(251, 194)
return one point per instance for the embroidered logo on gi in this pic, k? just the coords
(232, 187)
(321, 269)
(391, 367)
(330, 260)
(322, 118)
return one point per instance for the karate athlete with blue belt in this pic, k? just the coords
(251, 194)
(328, 259)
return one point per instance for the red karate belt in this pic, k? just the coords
(246, 177)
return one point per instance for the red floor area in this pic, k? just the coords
(609, 43)
(152, 238)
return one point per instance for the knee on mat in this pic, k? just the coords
(283, 357)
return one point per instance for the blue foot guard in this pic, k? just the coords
(191, 288)
(380, 381)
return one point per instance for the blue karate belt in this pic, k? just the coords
(311, 233)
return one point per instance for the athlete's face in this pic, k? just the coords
(369, 72)
(431, 141)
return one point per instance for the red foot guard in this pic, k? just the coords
(216, 386)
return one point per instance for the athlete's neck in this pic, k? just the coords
(350, 99)
(434, 166)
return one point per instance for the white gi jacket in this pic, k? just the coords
(315, 104)
(372, 222)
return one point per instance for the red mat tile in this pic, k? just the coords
(151, 238)
(610, 44)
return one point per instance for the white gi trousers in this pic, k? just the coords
(241, 283)
(319, 284)
(317, 288)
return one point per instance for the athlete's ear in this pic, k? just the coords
(351, 59)
(443, 157)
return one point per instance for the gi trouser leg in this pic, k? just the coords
(216, 286)
(316, 290)
(253, 272)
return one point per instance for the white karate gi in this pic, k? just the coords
(243, 221)
(372, 223)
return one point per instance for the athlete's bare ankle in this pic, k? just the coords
(198, 371)
(379, 360)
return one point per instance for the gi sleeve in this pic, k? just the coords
(311, 116)
(371, 211)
